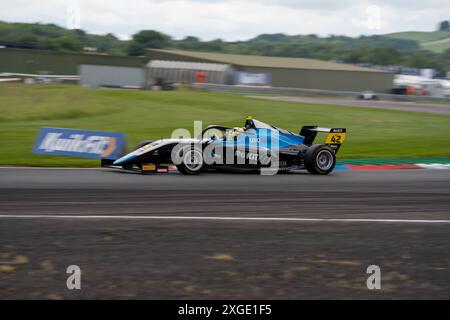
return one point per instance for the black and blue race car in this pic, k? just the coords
(255, 147)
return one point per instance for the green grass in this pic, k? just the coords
(373, 133)
(50, 103)
(433, 101)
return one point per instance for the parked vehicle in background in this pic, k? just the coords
(368, 95)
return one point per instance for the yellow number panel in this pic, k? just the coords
(335, 138)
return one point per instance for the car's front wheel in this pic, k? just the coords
(191, 161)
(320, 159)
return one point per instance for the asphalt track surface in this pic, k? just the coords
(437, 108)
(169, 236)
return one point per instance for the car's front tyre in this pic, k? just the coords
(320, 159)
(191, 160)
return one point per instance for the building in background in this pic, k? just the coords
(289, 72)
(164, 71)
(173, 66)
(51, 62)
(111, 76)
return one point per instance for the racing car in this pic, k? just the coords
(254, 147)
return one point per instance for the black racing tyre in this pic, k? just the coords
(320, 159)
(106, 162)
(143, 143)
(191, 160)
(127, 166)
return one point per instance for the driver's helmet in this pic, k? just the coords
(238, 131)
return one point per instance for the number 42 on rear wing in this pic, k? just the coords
(335, 137)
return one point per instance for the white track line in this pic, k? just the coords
(130, 217)
(434, 165)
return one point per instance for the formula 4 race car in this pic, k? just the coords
(254, 147)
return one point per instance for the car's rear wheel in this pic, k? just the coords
(320, 159)
(191, 160)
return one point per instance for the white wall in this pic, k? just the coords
(98, 75)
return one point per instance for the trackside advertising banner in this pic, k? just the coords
(80, 143)
(253, 79)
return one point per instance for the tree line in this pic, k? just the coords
(376, 49)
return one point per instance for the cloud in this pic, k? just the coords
(234, 19)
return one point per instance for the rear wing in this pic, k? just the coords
(335, 137)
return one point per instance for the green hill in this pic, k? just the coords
(436, 41)
(437, 46)
(420, 36)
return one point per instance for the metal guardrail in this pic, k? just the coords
(306, 92)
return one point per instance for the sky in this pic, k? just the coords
(232, 20)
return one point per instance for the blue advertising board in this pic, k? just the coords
(80, 143)
(253, 79)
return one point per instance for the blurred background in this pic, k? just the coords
(401, 48)
(144, 68)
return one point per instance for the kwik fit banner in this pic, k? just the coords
(80, 143)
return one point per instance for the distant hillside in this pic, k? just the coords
(436, 41)
(437, 46)
(399, 49)
(56, 38)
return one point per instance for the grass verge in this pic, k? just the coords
(373, 133)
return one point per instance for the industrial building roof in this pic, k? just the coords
(266, 61)
(187, 65)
